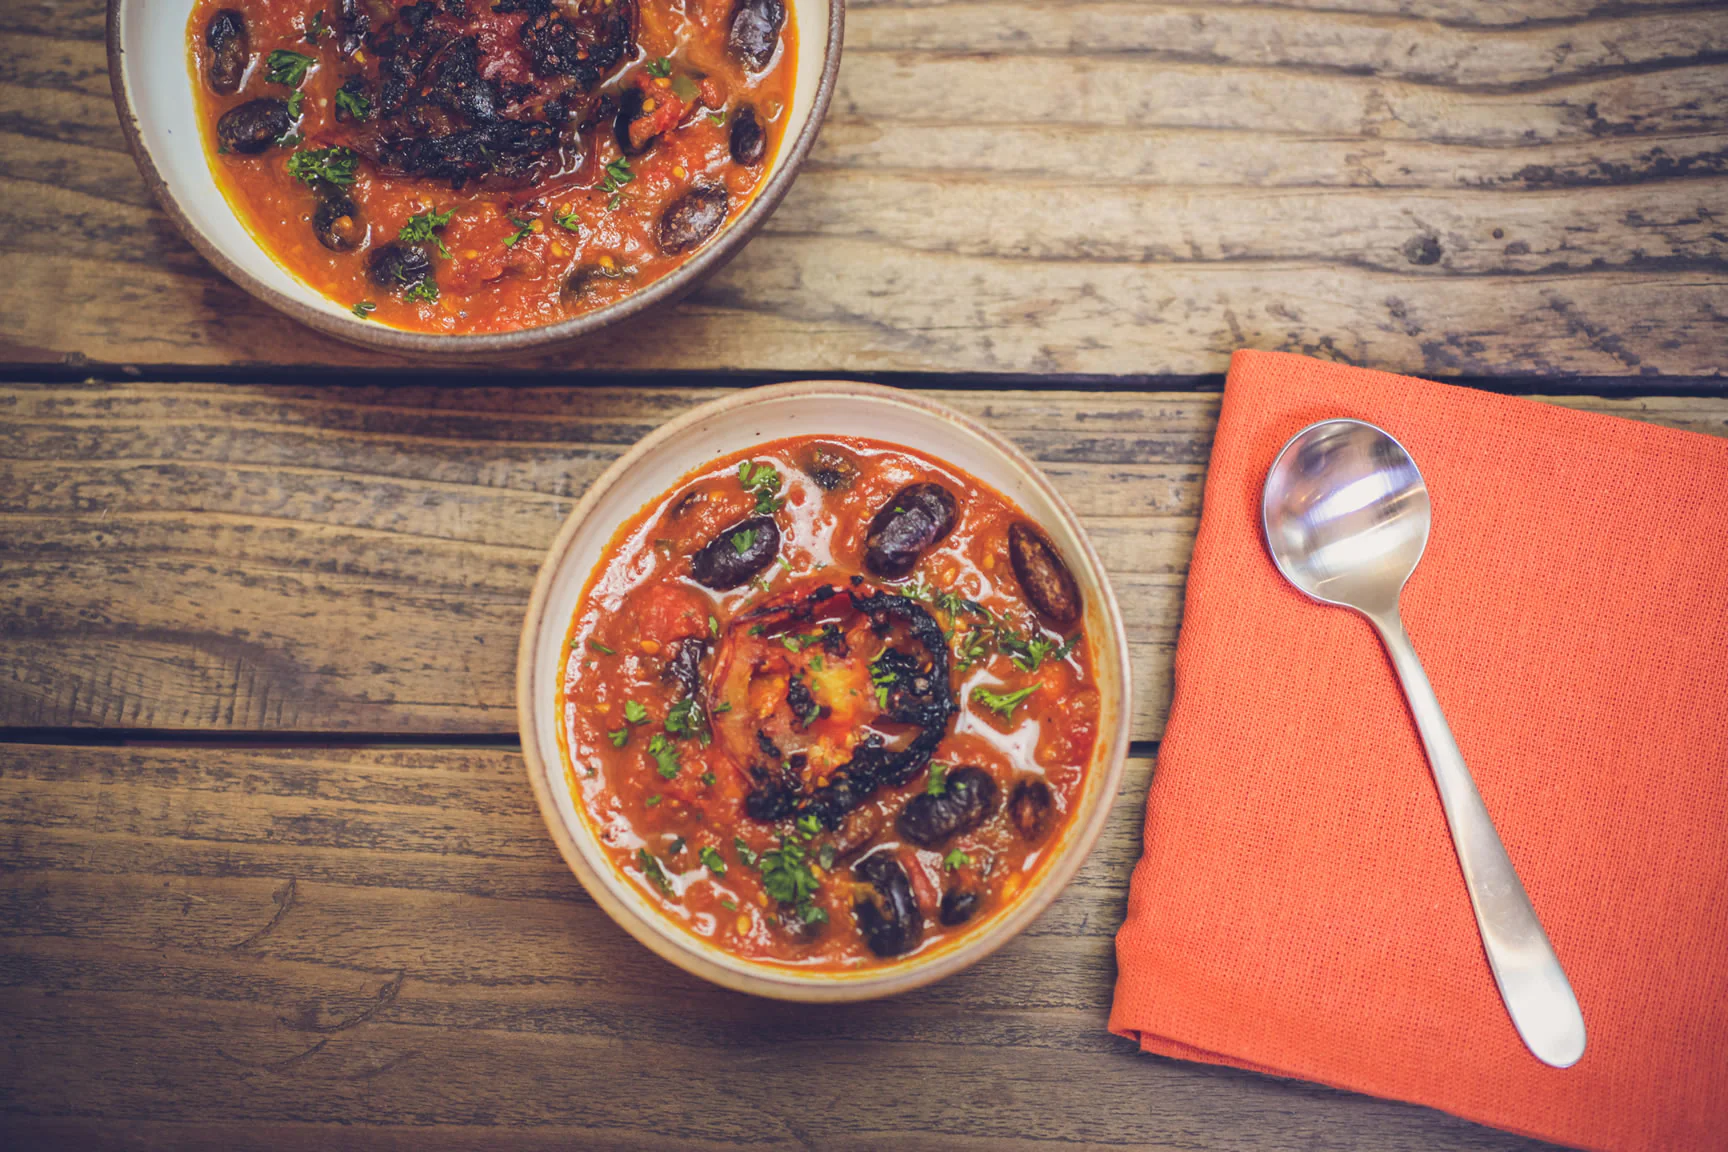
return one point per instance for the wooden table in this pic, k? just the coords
(270, 874)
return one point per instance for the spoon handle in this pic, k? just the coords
(1534, 987)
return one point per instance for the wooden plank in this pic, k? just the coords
(1439, 187)
(358, 559)
(286, 948)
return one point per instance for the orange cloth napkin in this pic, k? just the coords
(1299, 909)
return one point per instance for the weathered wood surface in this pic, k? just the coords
(218, 948)
(195, 557)
(1112, 187)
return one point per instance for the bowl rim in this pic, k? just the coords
(655, 931)
(667, 288)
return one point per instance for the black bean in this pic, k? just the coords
(229, 50)
(1043, 576)
(1030, 807)
(737, 554)
(692, 218)
(749, 142)
(915, 517)
(755, 31)
(251, 127)
(398, 265)
(967, 800)
(685, 665)
(336, 219)
(958, 905)
(888, 917)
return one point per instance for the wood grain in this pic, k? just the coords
(197, 557)
(366, 948)
(1089, 187)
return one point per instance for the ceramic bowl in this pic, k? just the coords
(660, 461)
(149, 69)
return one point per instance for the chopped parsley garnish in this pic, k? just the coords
(745, 855)
(956, 860)
(938, 782)
(523, 228)
(651, 869)
(1005, 703)
(808, 824)
(593, 643)
(661, 68)
(315, 27)
(422, 228)
(565, 218)
(713, 626)
(717, 118)
(712, 860)
(356, 104)
(287, 67)
(665, 756)
(812, 913)
(364, 309)
(333, 164)
(707, 779)
(295, 103)
(685, 719)
(786, 876)
(729, 905)
(618, 174)
(764, 481)
(426, 290)
(619, 737)
(635, 713)
(741, 541)
(652, 800)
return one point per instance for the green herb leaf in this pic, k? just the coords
(333, 164)
(811, 914)
(741, 541)
(652, 800)
(523, 228)
(295, 103)
(356, 104)
(707, 779)
(764, 481)
(729, 905)
(364, 309)
(286, 67)
(665, 756)
(956, 860)
(426, 289)
(1005, 703)
(618, 174)
(651, 869)
(717, 118)
(619, 737)
(786, 874)
(315, 27)
(745, 855)
(685, 718)
(600, 648)
(938, 782)
(712, 859)
(713, 626)
(808, 824)
(566, 218)
(635, 713)
(659, 69)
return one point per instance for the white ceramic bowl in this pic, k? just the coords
(660, 461)
(149, 69)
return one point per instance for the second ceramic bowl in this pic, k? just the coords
(736, 422)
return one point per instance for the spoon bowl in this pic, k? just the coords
(1346, 514)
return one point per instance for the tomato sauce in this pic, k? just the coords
(517, 178)
(829, 703)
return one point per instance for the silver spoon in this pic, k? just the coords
(1346, 515)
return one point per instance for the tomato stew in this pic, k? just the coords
(460, 166)
(828, 703)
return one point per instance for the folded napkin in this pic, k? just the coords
(1299, 909)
